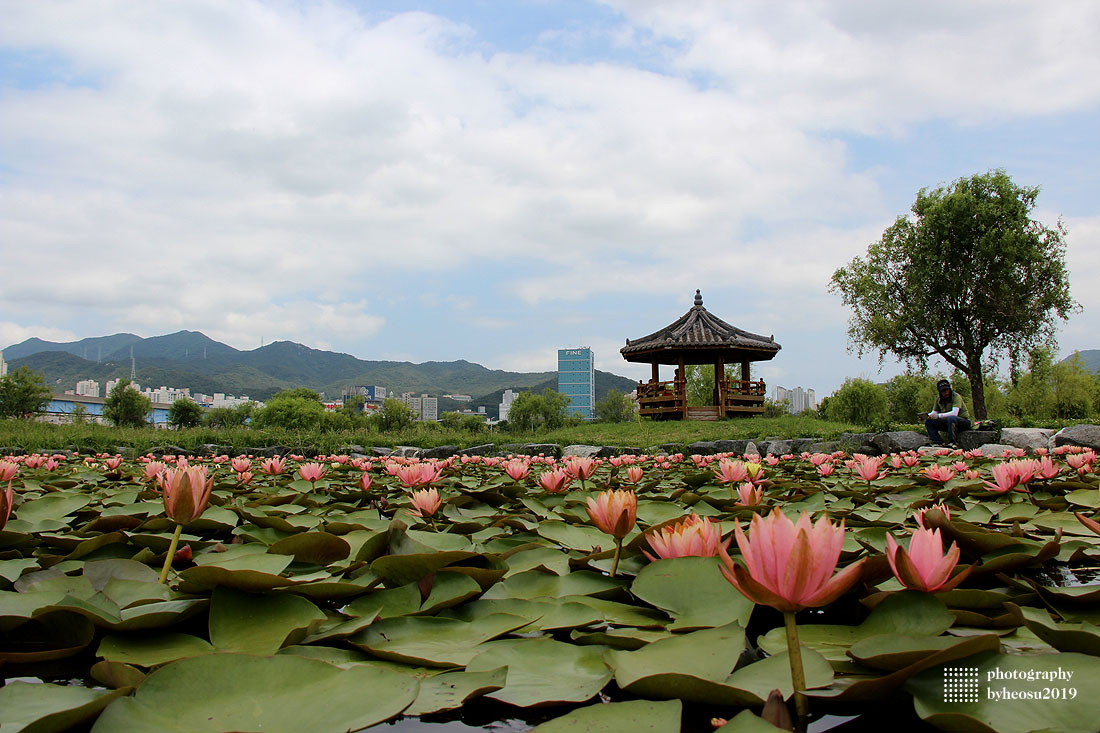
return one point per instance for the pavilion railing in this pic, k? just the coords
(657, 399)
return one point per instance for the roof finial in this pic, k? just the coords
(698, 298)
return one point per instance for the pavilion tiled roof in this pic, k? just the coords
(700, 329)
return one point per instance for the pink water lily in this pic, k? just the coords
(8, 470)
(311, 472)
(868, 468)
(749, 494)
(426, 502)
(731, 472)
(7, 500)
(580, 468)
(1005, 478)
(240, 464)
(418, 475)
(517, 469)
(939, 473)
(186, 492)
(273, 466)
(693, 536)
(924, 566)
(555, 481)
(790, 566)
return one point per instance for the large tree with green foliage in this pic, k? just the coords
(185, 413)
(616, 407)
(969, 277)
(23, 393)
(546, 411)
(126, 407)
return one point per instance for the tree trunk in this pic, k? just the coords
(977, 384)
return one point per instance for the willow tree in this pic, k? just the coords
(969, 277)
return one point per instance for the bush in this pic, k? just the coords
(546, 411)
(859, 401)
(185, 414)
(23, 393)
(616, 407)
(291, 413)
(394, 415)
(126, 407)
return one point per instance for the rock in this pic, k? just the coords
(167, 450)
(549, 449)
(994, 450)
(669, 448)
(11, 451)
(702, 448)
(825, 446)
(899, 441)
(971, 439)
(124, 450)
(1027, 438)
(798, 445)
(737, 447)
(213, 449)
(581, 451)
(349, 449)
(858, 443)
(750, 449)
(609, 451)
(379, 451)
(1086, 436)
(478, 450)
(405, 451)
(439, 452)
(776, 447)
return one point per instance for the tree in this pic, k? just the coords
(615, 407)
(910, 397)
(859, 401)
(968, 278)
(126, 407)
(228, 417)
(546, 411)
(304, 393)
(291, 411)
(395, 415)
(23, 393)
(185, 413)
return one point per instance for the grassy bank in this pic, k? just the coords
(30, 435)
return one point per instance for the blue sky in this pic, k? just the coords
(494, 181)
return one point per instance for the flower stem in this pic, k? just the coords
(618, 551)
(171, 554)
(798, 675)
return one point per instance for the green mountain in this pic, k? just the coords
(1090, 358)
(192, 359)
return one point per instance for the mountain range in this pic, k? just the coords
(192, 359)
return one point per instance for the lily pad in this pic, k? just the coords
(47, 707)
(694, 591)
(543, 671)
(632, 715)
(431, 641)
(240, 622)
(221, 692)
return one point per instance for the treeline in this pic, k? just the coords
(1047, 392)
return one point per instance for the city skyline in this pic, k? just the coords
(419, 180)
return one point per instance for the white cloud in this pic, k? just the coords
(14, 333)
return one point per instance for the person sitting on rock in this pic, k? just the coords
(948, 414)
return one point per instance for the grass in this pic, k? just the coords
(31, 435)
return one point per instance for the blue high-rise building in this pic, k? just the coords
(577, 380)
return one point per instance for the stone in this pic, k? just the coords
(1028, 438)
(439, 452)
(124, 450)
(776, 447)
(167, 450)
(899, 441)
(1086, 436)
(12, 451)
(825, 446)
(798, 445)
(405, 451)
(610, 451)
(349, 449)
(549, 449)
(379, 451)
(670, 448)
(478, 450)
(730, 446)
(213, 449)
(993, 450)
(750, 449)
(702, 448)
(971, 439)
(858, 443)
(581, 451)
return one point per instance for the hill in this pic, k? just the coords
(1090, 358)
(192, 359)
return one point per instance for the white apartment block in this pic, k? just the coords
(506, 401)
(87, 388)
(798, 399)
(425, 407)
(167, 395)
(3, 366)
(112, 383)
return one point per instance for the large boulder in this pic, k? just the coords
(899, 441)
(548, 449)
(825, 446)
(405, 451)
(994, 450)
(439, 452)
(380, 451)
(858, 443)
(1086, 436)
(1029, 439)
(737, 447)
(167, 450)
(581, 451)
(668, 449)
(971, 439)
(798, 445)
(610, 451)
(776, 447)
(702, 448)
(350, 450)
(213, 449)
(478, 450)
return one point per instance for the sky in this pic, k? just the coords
(493, 181)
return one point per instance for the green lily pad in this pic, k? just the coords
(1035, 712)
(536, 584)
(632, 715)
(221, 692)
(543, 671)
(410, 568)
(452, 690)
(319, 548)
(581, 537)
(153, 649)
(52, 506)
(694, 591)
(908, 613)
(240, 622)
(48, 707)
(53, 635)
(432, 641)
(1066, 637)
(667, 668)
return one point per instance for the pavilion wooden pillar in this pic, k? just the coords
(683, 383)
(745, 375)
(719, 386)
(656, 372)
